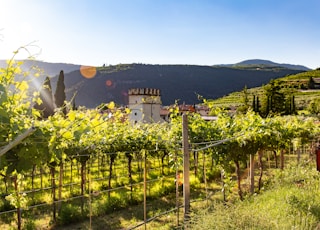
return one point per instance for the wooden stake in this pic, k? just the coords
(251, 173)
(145, 191)
(90, 196)
(177, 188)
(18, 208)
(186, 167)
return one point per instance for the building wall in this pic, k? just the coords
(145, 105)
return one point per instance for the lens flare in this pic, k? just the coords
(88, 71)
(124, 93)
(108, 83)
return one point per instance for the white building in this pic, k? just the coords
(145, 104)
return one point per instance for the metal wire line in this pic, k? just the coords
(216, 143)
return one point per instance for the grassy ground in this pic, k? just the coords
(291, 200)
(126, 218)
(121, 218)
(129, 218)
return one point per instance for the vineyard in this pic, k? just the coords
(89, 163)
(296, 84)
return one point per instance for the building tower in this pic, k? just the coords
(144, 104)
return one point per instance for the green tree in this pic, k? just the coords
(257, 108)
(256, 104)
(314, 106)
(245, 101)
(274, 99)
(311, 83)
(47, 106)
(290, 105)
(60, 95)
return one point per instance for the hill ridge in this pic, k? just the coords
(176, 82)
(271, 63)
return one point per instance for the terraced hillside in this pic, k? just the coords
(297, 83)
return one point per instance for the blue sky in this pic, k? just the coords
(201, 32)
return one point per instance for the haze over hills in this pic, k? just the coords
(43, 68)
(49, 69)
(176, 82)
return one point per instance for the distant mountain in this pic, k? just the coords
(266, 63)
(43, 68)
(49, 69)
(176, 82)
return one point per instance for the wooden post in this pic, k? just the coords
(53, 185)
(177, 188)
(251, 173)
(60, 186)
(90, 196)
(145, 190)
(260, 153)
(83, 184)
(18, 208)
(318, 159)
(71, 181)
(298, 155)
(282, 159)
(32, 181)
(223, 185)
(205, 177)
(186, 167)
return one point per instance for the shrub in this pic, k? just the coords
(29, 224)
(5, 205)
(69, 214)
(117, 201)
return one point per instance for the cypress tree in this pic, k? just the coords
(47, 106)
(74, 107)
(254, 104)
(267, 110)
(60, 95)
(293, 105)
(257, 105)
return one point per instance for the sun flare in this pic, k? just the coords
(88, 71)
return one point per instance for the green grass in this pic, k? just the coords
(292, 201)
(123, 209)
(103, 203)
(303, 75)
